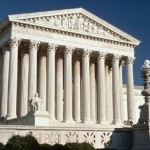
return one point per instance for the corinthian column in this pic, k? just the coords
(121, 90)
(93, 91)
(68, 84)
(101, 89)
(42, 78)
(86, 86)
(12, 93)
(51, 80)
(5, 75)
(24, 83)
(116, 90)
(59, 87)
(107, 92)
(130, 90)
(33, 48)
(76, 88)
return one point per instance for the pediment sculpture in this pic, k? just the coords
(76, 22)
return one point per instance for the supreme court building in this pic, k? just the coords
(69, 64)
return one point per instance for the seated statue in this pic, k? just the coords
(35, 103)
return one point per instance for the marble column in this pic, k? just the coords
(68, 84)
(33, 48)
(93, 91)
(101, 89)
(121, 90)
(59, 87)
(111, 112)
(76, 88)
(51, 80)
(42, 78)
(86, 86)
(116, 90)
(13, 67)
(5, 77)
(24, 83)
(107, 93)
(130, 90)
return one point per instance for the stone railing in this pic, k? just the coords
(98, 137)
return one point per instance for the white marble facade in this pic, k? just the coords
(73, 60)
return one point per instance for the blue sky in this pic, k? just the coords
(131, 16)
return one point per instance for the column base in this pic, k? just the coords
(68, 120)
(87, 120)
(117, 122)
(102, 122)
(53, 119)
(9, 116)
(78, 121)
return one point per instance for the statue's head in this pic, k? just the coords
(36, 94)
(146, 64)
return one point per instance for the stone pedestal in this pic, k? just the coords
(141, 137)
(37, 118)
(142, 129)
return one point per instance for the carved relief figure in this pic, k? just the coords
(100, 30)
(73, 20)
(95, 28)
(57, 21)
(86, 25)
(65, 22)
(80, 22)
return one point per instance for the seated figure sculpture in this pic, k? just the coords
(35, 103)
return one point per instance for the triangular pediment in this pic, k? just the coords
(75, 20)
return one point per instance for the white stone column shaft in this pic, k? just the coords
(107, 93)
(33, 48)
(42, 79)
(86, 86)
(101, 89)
(13, 66)
(121, 91)
(68, 84)
(59, 87)
(76, 89)
(51, 80)
(24, 83)
(93, 92)
(130, 90)
(110, 96)
(116, 90)
(5, 77)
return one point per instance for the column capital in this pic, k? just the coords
(14, 42)
(130, 60)
(52, 47)
(69, 50)
(77, 55)
(86, 53)
(122, 62)
(34, 45)
(115, 58)
(102, 55)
